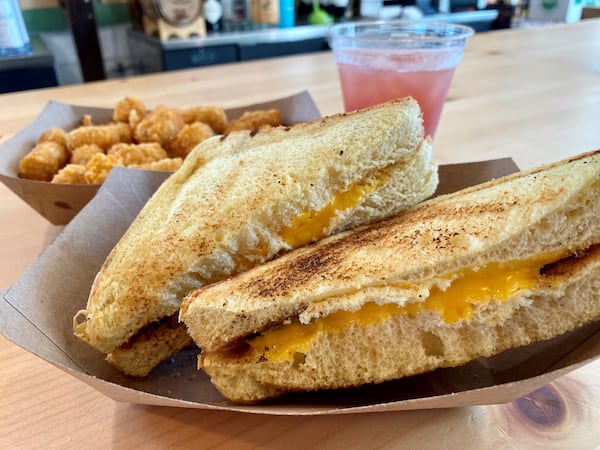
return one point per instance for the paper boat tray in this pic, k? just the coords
(36, 314)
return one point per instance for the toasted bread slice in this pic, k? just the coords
(460, 276)
(407, 345)
(244, 198)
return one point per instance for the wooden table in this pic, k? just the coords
(533, 94)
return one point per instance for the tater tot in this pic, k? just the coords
(87, 121)
(81, 155)
(98, 168)
(167, 165)
(134, 119)
(57, 135)
(162, 125)
(104, 136)
(138, 153)
(70, 174)
(43, 161)
(255, 120)
(155, 140)
(189, 137)
(125, 107)
(214, 116)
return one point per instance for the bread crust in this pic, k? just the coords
(222, 211)
(149, 347)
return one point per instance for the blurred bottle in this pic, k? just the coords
(213, 15)
(287, 13)
(14, 39)
(235, 15)
(264, 12)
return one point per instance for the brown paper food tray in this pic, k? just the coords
(59, 203)
(36, 314)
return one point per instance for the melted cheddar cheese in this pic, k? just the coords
(467, 289)
(308, 226)
(312, 225)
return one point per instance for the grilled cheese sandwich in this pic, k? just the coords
(462, 276)
(242, 199)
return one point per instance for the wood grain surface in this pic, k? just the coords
(532, 94)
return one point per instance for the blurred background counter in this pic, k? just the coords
(28, 71)
(75, 41)
(150, 54)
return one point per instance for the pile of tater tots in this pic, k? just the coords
(156, 140)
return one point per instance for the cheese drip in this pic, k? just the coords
(312, 225)
(468, 288)
(305, 228)
(309, 226)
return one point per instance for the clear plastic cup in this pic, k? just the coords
(382, 60)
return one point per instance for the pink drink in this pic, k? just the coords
(363, 86)
(383, 60)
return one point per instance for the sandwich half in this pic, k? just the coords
(499, 265)
(242, 199)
